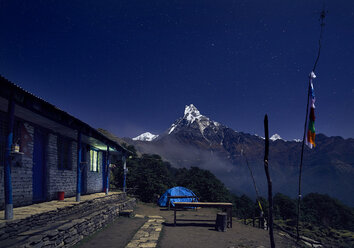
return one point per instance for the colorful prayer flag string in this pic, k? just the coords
(310, 134)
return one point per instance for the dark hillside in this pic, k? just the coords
(150, 177)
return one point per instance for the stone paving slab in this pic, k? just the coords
(148, 235)
(139, 216)
(20, 213)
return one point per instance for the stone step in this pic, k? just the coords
(148, 235)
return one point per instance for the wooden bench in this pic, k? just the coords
(224, 205)
(178, 197)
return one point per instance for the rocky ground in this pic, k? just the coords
(195, 233)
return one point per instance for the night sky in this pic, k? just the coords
(132, 66)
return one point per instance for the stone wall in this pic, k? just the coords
(21, 173)
(60, 180)
(64, 227)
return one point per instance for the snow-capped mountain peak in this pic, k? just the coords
(191, 113)
(275, 137)
(146, 137)
(192, 117)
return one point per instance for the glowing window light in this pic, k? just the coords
(94, 160)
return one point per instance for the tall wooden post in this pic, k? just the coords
(270, 194)
(79, 153)
(7, 167)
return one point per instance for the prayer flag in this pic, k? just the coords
(310, 134)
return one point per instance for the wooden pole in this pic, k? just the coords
(301, 159)
(323, 15)
(255, 186)
(270, 194)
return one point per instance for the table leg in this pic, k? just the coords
(175, 217)
(230, 216)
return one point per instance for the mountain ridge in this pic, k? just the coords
(196, 140)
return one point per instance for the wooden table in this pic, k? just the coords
(224, 205)
(178, 197)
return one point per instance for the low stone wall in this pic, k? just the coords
(64, 227)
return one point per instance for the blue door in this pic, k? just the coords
(83, 180)
(38, 175)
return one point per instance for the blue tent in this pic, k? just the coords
(176, 191)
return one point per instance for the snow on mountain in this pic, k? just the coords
(297, 140)
(275, 137)
(193, 118)
(259, 136)
(146, 137)
(173, 126)
(192, 115)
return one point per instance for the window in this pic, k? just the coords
(95, 159)
(64, 153)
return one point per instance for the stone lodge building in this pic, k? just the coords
(44, 150)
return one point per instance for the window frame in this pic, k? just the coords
(64, 153)
(95, 158)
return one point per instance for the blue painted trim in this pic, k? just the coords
(107, 171)
(79, 151)
(7, 167)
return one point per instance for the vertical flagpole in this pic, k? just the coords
(302, 155)
(322, 16)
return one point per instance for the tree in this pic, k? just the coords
(324, 210)
(203, 183)
(284, 207)
(130, 148)
(149, 175)
(244, 207)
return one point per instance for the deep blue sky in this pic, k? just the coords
(131, 66)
